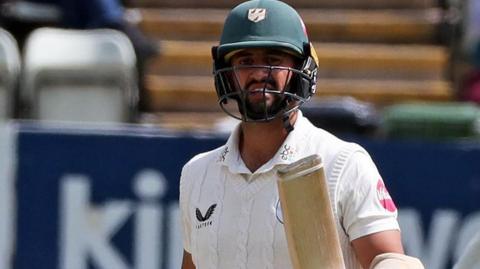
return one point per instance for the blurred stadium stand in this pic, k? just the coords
(9, 71)
(467, 60)
(79, 75)
(378, 51)
(21, 17)
(471, 29)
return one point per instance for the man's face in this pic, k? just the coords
(255, 80)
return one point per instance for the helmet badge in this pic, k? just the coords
(257, 14)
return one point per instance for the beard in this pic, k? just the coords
(262, 100)
(263, 107)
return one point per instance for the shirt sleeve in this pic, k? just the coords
(365, 204)
(184, 198)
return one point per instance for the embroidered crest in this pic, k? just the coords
(222, 156)
(257, 14)
(287, 153)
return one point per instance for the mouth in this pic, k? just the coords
(259, 95)
(267, 84)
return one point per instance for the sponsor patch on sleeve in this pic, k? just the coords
(384, 197)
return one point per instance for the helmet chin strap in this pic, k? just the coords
(286, 122)
(286, 116)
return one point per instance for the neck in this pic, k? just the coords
(259, 141)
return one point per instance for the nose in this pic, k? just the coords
(259, 74)
(261, 78)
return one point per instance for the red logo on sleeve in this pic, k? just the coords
(384, 197)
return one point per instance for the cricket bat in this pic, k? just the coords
(309, 223)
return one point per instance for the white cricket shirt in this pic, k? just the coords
(232, 218)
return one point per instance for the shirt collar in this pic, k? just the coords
(291, 150)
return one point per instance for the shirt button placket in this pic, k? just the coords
(242, 237)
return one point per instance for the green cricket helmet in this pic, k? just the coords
(269, 24)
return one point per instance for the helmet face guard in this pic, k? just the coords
(268, 101)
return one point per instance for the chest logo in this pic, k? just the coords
(208, 214)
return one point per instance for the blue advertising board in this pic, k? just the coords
(89, 198)
(121, 188)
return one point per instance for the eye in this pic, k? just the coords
(244, 61)
(274, 60)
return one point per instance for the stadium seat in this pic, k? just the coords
(342, 115)
(9, 71)
(432, 121)
(79, 75)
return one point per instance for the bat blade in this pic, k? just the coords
(308, 217)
